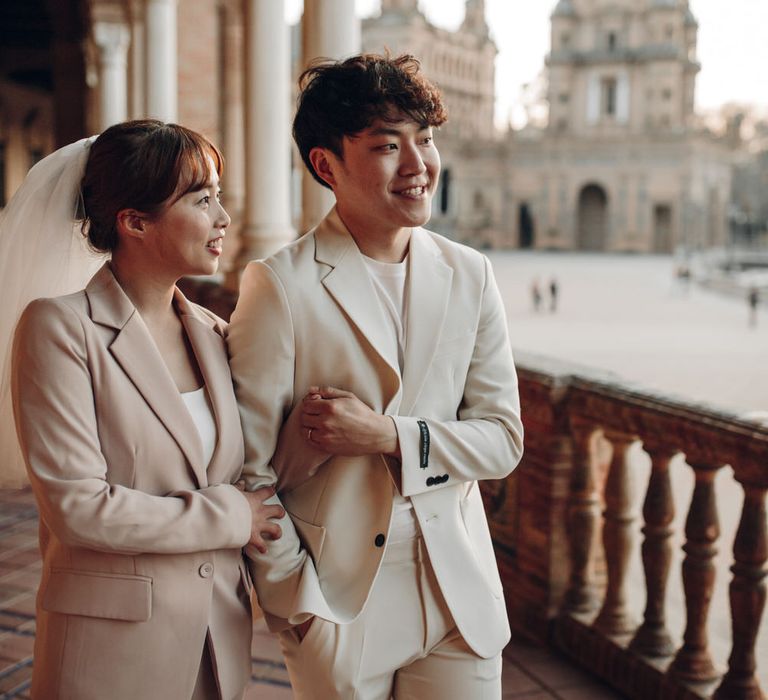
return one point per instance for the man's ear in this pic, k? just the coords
(323, 162)
(132, 223)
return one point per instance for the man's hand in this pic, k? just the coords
(339, 423)
(262, 528)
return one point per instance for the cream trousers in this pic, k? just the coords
(404, 645)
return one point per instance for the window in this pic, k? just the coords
(565, 40)
(563, 98)
(608, 97)
(611, 41)
(666, 94)
(445, 191)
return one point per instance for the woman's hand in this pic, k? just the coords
(339, 423)
(262, 526)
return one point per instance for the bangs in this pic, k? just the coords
(193, 165)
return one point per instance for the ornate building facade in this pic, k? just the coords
(620, 165)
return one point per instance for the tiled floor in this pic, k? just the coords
(530, 673)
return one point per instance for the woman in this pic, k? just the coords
(130, 433)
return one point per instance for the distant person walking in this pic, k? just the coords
(536, 295)
(752, 299)
(553, 292)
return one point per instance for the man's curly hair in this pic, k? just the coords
(342, 98)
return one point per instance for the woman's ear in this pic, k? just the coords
(132, 223)
(323, 162)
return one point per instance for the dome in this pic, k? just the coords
(564, 8)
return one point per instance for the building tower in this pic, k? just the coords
(622, 67)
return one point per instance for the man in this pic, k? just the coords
(379, 351)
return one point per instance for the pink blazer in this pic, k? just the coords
(141, 541)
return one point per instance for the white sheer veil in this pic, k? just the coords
(42, 254)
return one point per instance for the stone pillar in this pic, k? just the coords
(330, 29)
(137, 70)
(112, 40)
(267, 219)
(233, 126)
(161, 65)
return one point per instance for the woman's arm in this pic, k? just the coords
(57, 426)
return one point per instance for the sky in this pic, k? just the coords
(732, 48)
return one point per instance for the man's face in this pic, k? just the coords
(385, 181)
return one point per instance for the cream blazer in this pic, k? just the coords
(309, 316)
(141, 543)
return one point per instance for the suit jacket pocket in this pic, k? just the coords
(312, 536)
(110, 596)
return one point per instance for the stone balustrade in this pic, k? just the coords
(567, 531)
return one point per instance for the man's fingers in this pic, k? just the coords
(259, 544)
(272, 531)
(276, 512)
(265, 492)
(331, 392)
(310, 421)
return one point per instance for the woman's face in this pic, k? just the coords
(188, 236)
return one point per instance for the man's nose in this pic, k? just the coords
(412, 162)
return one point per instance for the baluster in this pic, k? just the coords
(693, 661)
(614, 617)
(747, 593)
(652, 638)
(582, 521)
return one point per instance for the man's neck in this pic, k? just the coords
(384, 246)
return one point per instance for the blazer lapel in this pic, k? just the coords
(429, 285)
(135, 351)
(350, 285)
(211, 355)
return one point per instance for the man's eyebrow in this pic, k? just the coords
(393, 131)
(385, 131)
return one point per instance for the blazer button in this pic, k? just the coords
(379, 541)
(444, 479)
(206, 570)
(430, 481)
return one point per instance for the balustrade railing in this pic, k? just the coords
(567, 532)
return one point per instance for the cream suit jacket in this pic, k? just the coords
(309, 316)
(141, 543)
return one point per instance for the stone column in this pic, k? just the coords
(137, 71)
(267, 217)
(330, 29)
(112, 40)
(233, 129)
(162, 72)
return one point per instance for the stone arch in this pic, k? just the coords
(592, 218)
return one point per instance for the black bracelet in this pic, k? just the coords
(423, 444)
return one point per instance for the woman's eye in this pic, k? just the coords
(205, 200)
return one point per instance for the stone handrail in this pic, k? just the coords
(565, 563)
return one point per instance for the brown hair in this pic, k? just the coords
(339, 99)
(142, 165)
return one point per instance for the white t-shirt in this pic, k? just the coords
(199, 408)
(389, 282)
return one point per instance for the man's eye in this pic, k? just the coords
(388, 147)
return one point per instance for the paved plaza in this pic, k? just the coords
(629, 314)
